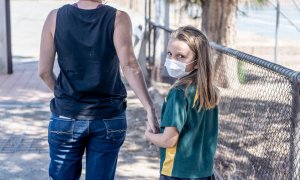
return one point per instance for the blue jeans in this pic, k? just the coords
(69, 138)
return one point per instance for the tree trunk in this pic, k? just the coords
(218, 22)
(161, 39)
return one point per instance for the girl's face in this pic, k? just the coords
(180, 51)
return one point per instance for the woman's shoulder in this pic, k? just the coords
(63, 7)
(51, 21)
(121, 14)
(53, 13)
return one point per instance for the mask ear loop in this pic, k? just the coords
(191, 62)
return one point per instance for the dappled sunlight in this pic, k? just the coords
(32, 156)
(134, 103)
(148, 168)
(3, 157)
(20, 166)
(11, 167)
(23, 86)
(32, 96)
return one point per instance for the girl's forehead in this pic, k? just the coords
(175, 44)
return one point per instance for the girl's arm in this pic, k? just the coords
(167, 139)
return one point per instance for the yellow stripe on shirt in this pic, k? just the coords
(195, 98)
(169, 161)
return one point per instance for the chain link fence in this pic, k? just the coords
(259, 134)
(258, 125)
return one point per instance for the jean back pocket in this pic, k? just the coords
(60, 129)
(116, 127)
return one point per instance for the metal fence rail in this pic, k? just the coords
(259, 131)
(258, 128)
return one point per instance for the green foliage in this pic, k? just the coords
(241, 72)
(263, 2)
(186, 1)
(249, 2)
(255, 3)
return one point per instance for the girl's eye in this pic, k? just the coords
(180, 56)
(169, 54)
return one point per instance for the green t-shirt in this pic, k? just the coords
(193, 156)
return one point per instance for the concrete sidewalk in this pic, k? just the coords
(24, 115)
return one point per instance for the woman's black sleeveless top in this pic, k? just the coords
(89, 84)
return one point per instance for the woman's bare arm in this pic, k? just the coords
(130, 66)
(47, 51)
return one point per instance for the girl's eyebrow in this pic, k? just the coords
(175, 51)
(179, 52)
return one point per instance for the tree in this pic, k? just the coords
(218, 22)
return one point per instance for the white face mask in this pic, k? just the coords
(175, 68)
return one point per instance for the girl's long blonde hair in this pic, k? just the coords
(207, 94)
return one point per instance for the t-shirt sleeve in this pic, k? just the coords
(175, 112)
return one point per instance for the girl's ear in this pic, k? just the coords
(196, 65)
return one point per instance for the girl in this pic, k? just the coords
(189, 121)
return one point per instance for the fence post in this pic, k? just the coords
(166, 23)
(297, 139)
(161, 18)
(5, 38)
(164, 38)
(295, 148)
(276, 32)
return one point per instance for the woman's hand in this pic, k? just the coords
(148, 131)
(152, 121)
(148, 128)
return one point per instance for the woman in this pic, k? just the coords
(88, 112)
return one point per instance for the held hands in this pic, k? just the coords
(148, 131)
(148, 128)
(152, 124)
